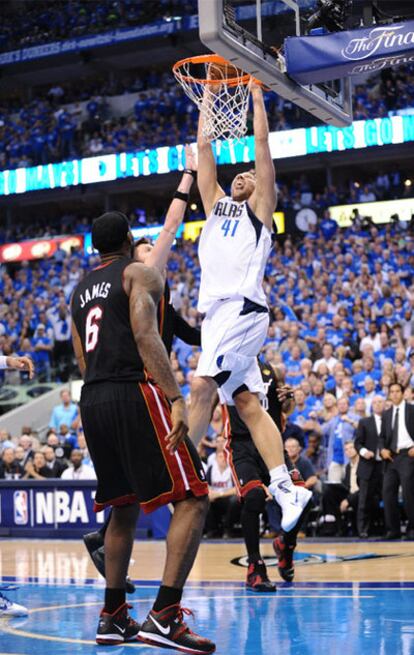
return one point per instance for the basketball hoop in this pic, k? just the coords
(223, 101)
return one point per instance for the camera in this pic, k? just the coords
(331, 14)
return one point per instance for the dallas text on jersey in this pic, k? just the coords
(229, 209)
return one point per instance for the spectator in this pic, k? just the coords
(67, 440)
(301, 412)
(5, 440)
(316, 454)
(327, 358)
(372, 339)
(82, 446)
(65, 413)
(369, 470)
(224, 506)
(36, 469)
(56, 466)
(9, 468)
(26, 443)
(338, 497)
(42, 347)
(301, 462)
(396, 443)
(77, 470)
(339, 431)
(19, 455)
(62, 349)
(220, 443)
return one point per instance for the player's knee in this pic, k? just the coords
(247, 405)
(254, 501)
(202, 390)
(198, 505)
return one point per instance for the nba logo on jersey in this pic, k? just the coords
(21, 514)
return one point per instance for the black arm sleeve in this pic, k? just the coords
(185, 331)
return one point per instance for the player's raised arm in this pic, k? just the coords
(175, 214)
(144, 286)
(209, 188)
(264, 199)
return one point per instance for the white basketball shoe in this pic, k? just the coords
(292, 500)
(8, 608)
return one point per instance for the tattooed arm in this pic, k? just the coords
(77, 347)
(144, 286)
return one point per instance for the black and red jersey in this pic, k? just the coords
(100, 311)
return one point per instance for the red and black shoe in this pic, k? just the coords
(284, 554)
(257, 579)
(117, 628)
(167, 629)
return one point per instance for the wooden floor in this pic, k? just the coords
(62, 561)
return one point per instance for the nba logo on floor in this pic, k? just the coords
(21, 514)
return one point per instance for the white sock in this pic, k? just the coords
(279, 473)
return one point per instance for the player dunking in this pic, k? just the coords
(233, 250)
(138, 446)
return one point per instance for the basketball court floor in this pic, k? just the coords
(348, 598)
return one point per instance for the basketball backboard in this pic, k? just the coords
(251, 36)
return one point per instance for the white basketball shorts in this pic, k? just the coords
(232, 334)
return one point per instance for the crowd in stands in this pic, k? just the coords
(294, 193)
(41, 21)
(47, 129)
(61, 454)
(342, 332)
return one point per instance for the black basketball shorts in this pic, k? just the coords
(248, 468)
(125, 426)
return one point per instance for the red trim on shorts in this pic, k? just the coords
(178, 491)
(242, 490)
(130, 499)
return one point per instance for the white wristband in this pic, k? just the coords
(3, 361)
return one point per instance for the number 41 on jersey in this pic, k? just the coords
(229, 227)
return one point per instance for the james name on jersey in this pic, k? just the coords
(98, 291)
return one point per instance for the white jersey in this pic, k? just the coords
(233, 251)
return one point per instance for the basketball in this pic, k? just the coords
(223, 71)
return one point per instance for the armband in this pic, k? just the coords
(181, 196)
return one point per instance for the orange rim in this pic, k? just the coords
(244, 78)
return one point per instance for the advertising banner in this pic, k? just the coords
(391, 130)
(38, 248)
(313, 59)
(379, 212)
(149, 231)
(61, 508)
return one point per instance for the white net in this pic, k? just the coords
(223, 105)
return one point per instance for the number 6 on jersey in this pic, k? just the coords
(92, 326)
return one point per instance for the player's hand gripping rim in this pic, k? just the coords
(179, 425)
